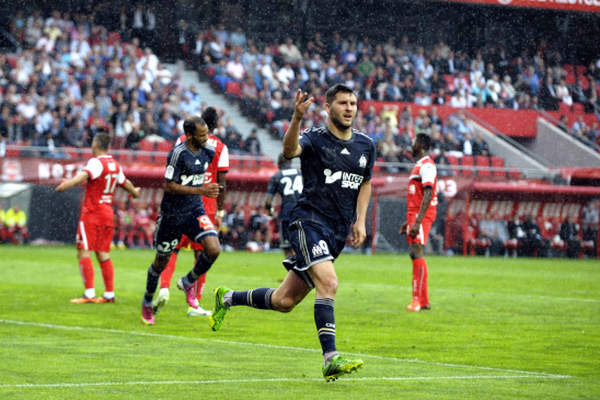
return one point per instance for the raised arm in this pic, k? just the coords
(291, 148)
(360, 231)
(76, 180)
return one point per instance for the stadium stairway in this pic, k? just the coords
(270, 146)
(515, 155)
(551, 143)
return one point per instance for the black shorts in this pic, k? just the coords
(170, 228)
(284, 243)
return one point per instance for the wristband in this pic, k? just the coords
(221, 213)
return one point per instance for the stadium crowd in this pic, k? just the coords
(496, 77)
(75, 78)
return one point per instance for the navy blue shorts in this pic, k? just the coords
(170, 228)
(284, 243)
(313, 244)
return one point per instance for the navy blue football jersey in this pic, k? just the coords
(288, 183)
(186, 168)
(333, 172)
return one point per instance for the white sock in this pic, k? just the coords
(90, 293)
(164, 291)
(109, 295)
(328, 356)
(227, 298)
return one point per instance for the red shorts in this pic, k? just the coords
(94, 236)
(186, 243)
(423, 229)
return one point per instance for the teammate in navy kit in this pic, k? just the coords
(182, 212)
(288, 183)
(337, 163)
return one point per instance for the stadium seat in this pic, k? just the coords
(467, 161)
(563, 108)
(72, 152)
(514, 173)
(145, 145)
(584, 81)
(570, 79)
(453, 160)
(498, 162)
(233, 88)
(569, 69)
(162, 148)
(578, 108)
(483, 164)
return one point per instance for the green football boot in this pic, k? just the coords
(339, 366)
(216, 319)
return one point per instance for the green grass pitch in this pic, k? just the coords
(498, 329)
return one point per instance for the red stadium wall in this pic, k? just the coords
(512, 123)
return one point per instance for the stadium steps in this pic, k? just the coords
(551, 142)
(270, 146)
(515, 156)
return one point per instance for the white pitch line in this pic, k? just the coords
(272, 346)
(267, 380)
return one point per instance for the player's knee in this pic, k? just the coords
(285, 304)
(416, 251)
(213, 252)
(330, 286)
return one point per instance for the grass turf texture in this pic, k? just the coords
(498, 329)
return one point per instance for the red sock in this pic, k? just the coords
(418, 271)
(87, 272)
(424, 296)
(108, 273)
(199, 286)
(167, 274)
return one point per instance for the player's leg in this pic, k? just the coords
(106, 265)
(420, 299)
(326, 283)
(198, 287)
(205, 260)
(288, 251)
(85, 240)
(200, 230)
(167, 275)
(166, 238)
(283, 299)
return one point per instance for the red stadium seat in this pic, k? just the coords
(233, 88)
(569, 69)
(453, 160)
(498, 162)
(483, 165)
(570, 79)
(578, 108)
(72, 152)
(467, 161)
(514, 173)
(563, 108)
(162, 149)
(584, 81)
(145, 145)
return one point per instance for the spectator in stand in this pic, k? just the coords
(480, 146)
(252, 144)
(589, 224)
(488, 230)
(570, 234)
(563, 93)
(516, 230)
(578, 126)
(235, 69)
(533, 243)
(289, 52)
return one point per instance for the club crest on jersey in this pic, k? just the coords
(349, 180)
(363, 161)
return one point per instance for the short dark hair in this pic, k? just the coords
(425, 141)
(335, 89)
(189, 125)
(283, 162)
(102, 140)
(211, 117)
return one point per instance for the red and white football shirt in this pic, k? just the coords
(105, 174)
(424, 174)
(220, 163)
